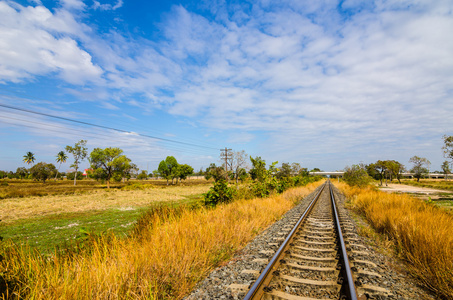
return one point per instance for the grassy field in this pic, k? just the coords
(14, 188)
(166, 253)
(47, 221)
(421, 232)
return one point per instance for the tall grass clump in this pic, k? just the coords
(422, 233)
(168, 252)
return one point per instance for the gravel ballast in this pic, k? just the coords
(233, 280)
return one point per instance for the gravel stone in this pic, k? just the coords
(233, 280)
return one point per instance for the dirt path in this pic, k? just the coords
(402, 188)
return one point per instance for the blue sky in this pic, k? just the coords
(323, 83)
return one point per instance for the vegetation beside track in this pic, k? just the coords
(167, 253)
(422, 233)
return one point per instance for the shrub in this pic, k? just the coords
(70, 176)
(219, 193)
(260, 189)
(284, 184)
(356, 176)
(143, 175)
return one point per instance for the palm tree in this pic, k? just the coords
(61, 158)
(29, 158)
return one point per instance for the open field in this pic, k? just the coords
(49, 221)
(422, 233)
(194, 242)
(13, 209)
(14, 188)
(429, 191)
(440, 184)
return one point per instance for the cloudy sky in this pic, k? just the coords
(323, 83)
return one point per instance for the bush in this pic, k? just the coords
(260, 189)
(284, 184)
(70, 176)
(219, 193)
(142, 176)
(356, 176)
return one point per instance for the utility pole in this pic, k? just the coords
(226, 155)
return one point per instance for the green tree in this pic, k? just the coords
(163, 170)
(168, 168)
(70, 176)
(258, 171)
(143, 175)
(173, 167)
(395, 169)
(79, 151)
(29, 158)
(131, 171)
(380, 167)
(448, 152)
(448, 146)
(242, 174)
(61, 158)
(42, 171)
(419, 168)
(446, 169)
(21, 173)
(109, 163)
(356, 175)
(184, 170)
(216, 172)
(285, 171)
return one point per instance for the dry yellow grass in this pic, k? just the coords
(13, 209)
(162, 260)
(422, 232)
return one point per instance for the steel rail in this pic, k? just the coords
(349, 290)
(258, 286)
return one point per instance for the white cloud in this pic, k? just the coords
(369, 74)
(31, 44)
(98, 5)
(73, 4)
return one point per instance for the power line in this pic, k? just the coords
(17, 96)
(104, 137)
(105, 127)
(91, 134)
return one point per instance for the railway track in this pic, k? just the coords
(313, 263)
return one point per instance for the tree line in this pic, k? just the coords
(106, 164)
(110, 164)
(384, 170)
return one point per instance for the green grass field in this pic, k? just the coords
(66, 213)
